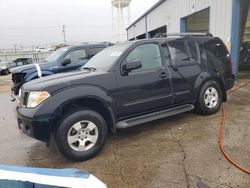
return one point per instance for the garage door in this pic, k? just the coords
(198, 22)
(247, 30)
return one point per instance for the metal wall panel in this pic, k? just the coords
(137, 29)
(171, 11)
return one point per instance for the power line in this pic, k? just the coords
(31, 28)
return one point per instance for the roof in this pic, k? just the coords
(146, 13)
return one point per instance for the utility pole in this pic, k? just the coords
(64, 34)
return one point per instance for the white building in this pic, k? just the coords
(223, 18)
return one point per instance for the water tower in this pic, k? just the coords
(121, 18)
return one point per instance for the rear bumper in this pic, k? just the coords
(229, 84)
(38, 128)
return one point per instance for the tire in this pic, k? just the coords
(7, 71)
(81, 135)
(210, 98)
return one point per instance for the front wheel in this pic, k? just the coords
(81, 135)
(210, 98)
(6, 72)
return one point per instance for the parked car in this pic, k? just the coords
(62, 60)
(244, 55)
(22, 61)
(126, 85)
(43, 49)
(5, 67)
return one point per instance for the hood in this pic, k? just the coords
(23, 68)
(57, 81)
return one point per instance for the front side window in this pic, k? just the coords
(76, 56)
(148, 54)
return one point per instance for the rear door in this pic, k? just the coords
(185, 68)
(144, 89)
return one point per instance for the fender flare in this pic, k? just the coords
(204, 77)
(58, 99)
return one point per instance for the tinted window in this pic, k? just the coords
(192, 46)
(216, 50)
(76, 56)
(178, 52)
(148, 54)
(95, 50)
(203, 52)
(218, 56)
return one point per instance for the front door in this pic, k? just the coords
(77, 59)
(147, 88)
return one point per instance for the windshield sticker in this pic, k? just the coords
(115, 54)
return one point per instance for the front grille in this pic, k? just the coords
(18, 78)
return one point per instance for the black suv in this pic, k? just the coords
(64, 59)
(126, 85)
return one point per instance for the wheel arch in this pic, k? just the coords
(205, 77)
(75, 98)
(90, 102)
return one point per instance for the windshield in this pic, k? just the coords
(55, 55)
(106, 58)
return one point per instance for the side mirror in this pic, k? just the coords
(132, 65)
(66, 62)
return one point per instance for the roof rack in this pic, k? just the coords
(161, 35)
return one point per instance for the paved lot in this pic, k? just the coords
(181, 151)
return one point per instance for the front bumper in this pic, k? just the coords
(15, 89)
(35, 127)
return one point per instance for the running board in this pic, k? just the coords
(153, 116)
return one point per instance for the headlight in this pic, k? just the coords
(35, 98)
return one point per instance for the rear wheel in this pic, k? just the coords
(81, 135)
(210, 98)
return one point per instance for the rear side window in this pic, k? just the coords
(193, 50)
(216, 50)
(149, 54)
(178, 52)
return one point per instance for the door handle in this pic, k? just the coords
(163, 75)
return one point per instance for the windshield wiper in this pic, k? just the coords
(89, 68)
